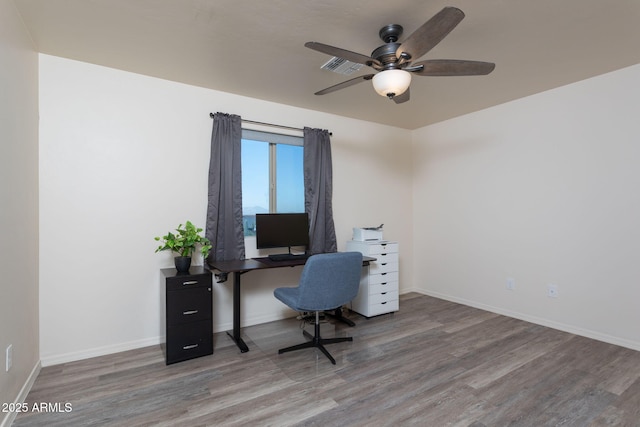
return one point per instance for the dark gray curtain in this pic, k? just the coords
(224, 211)
(318, 190)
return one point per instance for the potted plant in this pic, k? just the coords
(184, 243)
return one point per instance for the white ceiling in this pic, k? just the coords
(256, 47)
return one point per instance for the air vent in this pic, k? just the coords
(341, 66)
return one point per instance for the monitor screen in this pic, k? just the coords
(282, 230)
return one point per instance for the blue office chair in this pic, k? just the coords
(327, 282)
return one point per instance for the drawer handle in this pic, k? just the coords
(190, 312)
(190, 282)
(383, 293)
(383, 284)
(383, 303)
(383, 274)
(384, 263)
(189, 347)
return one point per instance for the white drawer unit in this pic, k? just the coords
(378, 292)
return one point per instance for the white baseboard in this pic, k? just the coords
(49, 360)
(22, 395)
(264, 318)
(404, 290)
(538, 321)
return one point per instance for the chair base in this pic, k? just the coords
(316, 341)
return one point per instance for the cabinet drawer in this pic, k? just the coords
(189, 340)
(188, 281)
(375, 279)
(386, 258)
(189, 305)
(379, 288)
(383, 297)
(372, 248)
(382, 248)
(383, 307)
(385, 267)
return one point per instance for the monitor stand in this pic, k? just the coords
(288, 256)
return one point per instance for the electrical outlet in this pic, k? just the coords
(9, 357)
(511, 284)
(552, 291)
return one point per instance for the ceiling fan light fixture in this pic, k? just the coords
(391, 83)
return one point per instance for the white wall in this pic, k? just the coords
(543, 190)
(125, 157)
(19, 205)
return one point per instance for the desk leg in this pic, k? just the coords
(337, 314)
(235, 336)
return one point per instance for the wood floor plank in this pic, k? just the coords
(511, 359)
(433, 363)
(629, 404)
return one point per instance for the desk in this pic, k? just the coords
(240, 266)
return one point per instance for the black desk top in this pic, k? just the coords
(236, 265)
(243, 265)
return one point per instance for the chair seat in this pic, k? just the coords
(289, 296)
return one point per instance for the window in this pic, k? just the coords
(272, 175)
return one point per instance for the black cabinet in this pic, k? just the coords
(187, 314)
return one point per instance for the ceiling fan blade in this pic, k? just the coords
(430, 33)
(345, 84)
(343, 53)
(402, 98)
(451, 67)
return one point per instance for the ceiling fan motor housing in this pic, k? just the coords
(386, 54)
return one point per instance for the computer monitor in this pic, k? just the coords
(282, 230)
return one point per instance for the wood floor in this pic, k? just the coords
(434, 363)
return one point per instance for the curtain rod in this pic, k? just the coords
(270, 124)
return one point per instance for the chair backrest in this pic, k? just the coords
(329, 280)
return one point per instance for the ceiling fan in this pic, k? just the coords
(393, 60)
